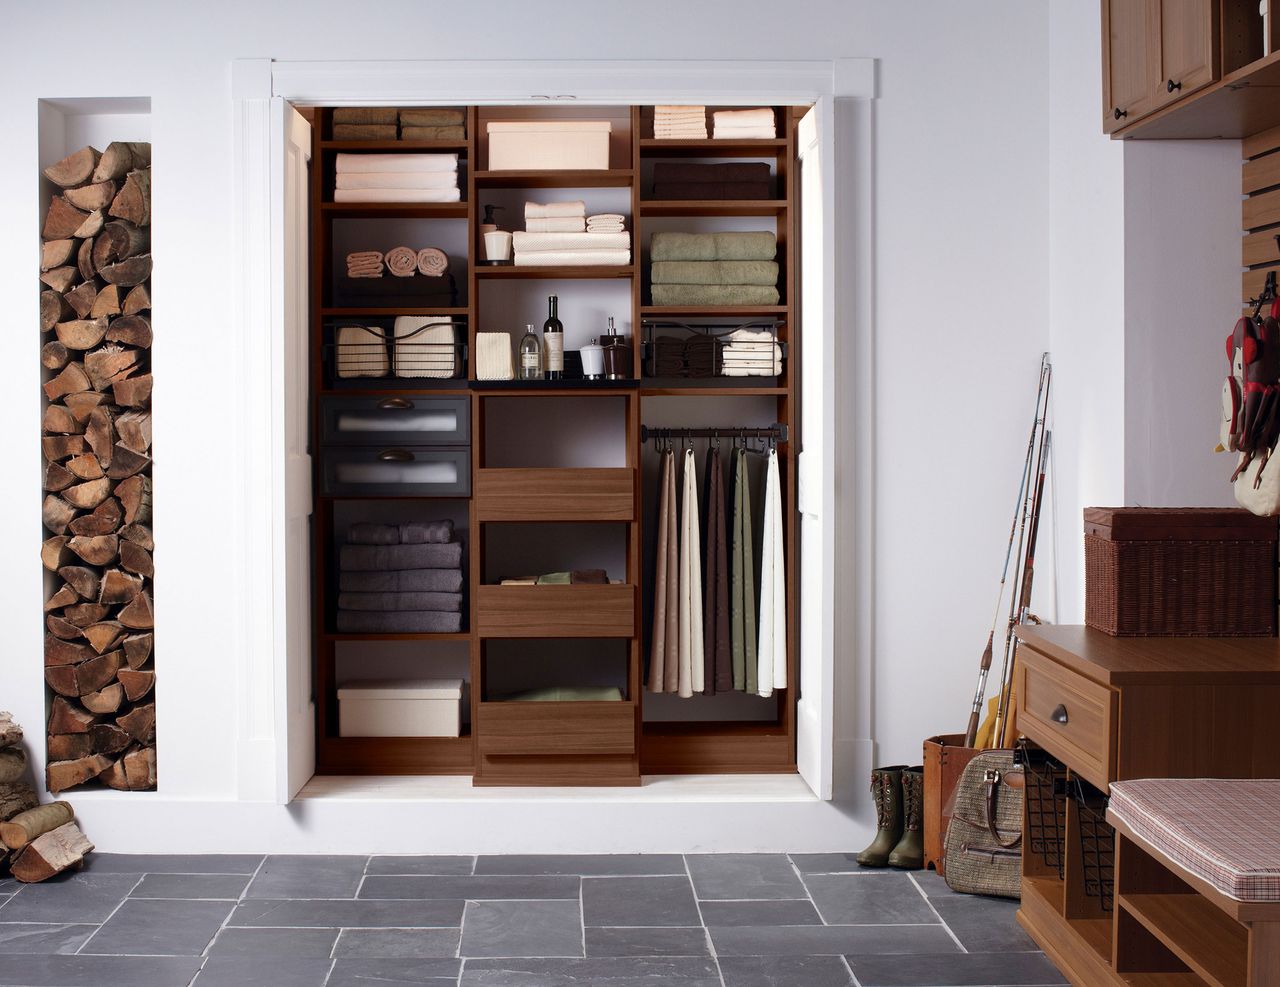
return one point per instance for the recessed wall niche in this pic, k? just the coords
(95, 371)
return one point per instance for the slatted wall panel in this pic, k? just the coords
(1260, 211)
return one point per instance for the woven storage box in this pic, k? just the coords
(1179, 572)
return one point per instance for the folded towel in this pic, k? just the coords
(439, 602)
(397, 179)
(691, 125)
(714, 272)
(405, 533)
(680, 133)
(677, 109)
(402, 581)
(525, 242)
(568, 694)
(739, 171)
(564, 258)
(365, 114)
(607, 217)
(714, 294)
(712, 190)
(702, 356)
(543, 210)
(362, 352)
(364, 132)
(556, 224)
(424, 349)
(364, 264)
(399, 622)
(762, 117)
(433, 116)
(382, 558)
(433, 262)
(713, 246)
(733, 370)
(604, 230)
(575, 577)
(419, 161)
(402, 261)
(745, 338)
(744, 133)
(397, 195)
(668, 357)
(433, 133)
(493, 356)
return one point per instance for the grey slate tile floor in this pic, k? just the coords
(704, 920)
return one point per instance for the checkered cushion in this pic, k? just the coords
(1224, 831)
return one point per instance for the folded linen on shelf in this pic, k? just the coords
(545, 210)
(760, 117)
(714, 294)
(362, 352)
(402, 581)
(744, 133)
(395, 162)
(396, 179)
(364, 132)
(397, 195)
(493, 356)
(701, 356)
(375, 558)
(568, 694)
(696, 132)
(684, 191)
(524, 241)
(433, 262)
(402, 262)
(433, 116)
(564, 258)
(713, 246)
(680, 122)
(365, 264)
(738, 171)
(425, 347)
(403, 533)
(668, 356)
(365, 114)
(398, 622)
(606, 217)
(671, 110)
(433, 133)
(715, 272)
(609, 222)
(438, 602)
(556, 224)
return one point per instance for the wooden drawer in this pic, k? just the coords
(587, 728)
(555, 611)
(1068, 715)
(394, 471)
(395, 420)
(555, 494)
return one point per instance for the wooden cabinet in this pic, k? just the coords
(1188, 48)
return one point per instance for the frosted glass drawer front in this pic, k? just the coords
(395, 420)
(396, 471)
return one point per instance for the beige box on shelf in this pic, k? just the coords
(530, 145)
(401, 708)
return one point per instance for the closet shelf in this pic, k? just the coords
(713, 207)
(595, 611)
(397, 755)
(390, 311)
(555, 494)
(459, 147)
(361, 387)
(564, 178)
(460, 636)
(712, 311)
(708, 387)
(531, 728)
(394, 210)
(564, 271)
(652, 147)
(554, 388)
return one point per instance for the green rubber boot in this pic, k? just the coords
(886, 790)
(909, 853)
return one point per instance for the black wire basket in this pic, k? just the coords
(1097, 844)
(1046, 799)
(684, 351)
(359, 351)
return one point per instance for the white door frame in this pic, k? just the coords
(258, 506)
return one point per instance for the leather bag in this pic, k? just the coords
(983, 848)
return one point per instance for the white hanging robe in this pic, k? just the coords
(691, 644)
(771, 649)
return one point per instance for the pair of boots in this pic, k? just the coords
(899, 795)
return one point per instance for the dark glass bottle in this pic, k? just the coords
(553, 341)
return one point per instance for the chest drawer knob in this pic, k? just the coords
(1059, 714)
(405, 456)
(1120, 114)
(1172, 87)
(395, 404)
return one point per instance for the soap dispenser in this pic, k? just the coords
(617, 354)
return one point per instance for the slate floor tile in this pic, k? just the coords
(647, 942)
(274, 942)
(860, 899)
(143, 927)
(831, 940)
(172, 863)
(392, 972)
(522, 928)
(307, 877)
(207, 886)
(43, 938)
(638, 901)
(470, 888)
(630, 971)
(264, 971)
(80, 898)
(349, 914)
(826, 863)
(779, 911)
(743, 875)
(784, 971)
(934, 885)
(401, 944)
(98, 971)
(584, 864)
(984, 925)
(957, 970)
(421, 865)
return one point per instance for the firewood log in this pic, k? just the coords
(96, 549)
(82, 403)
(16, 798)
(52, 853)
(136, 614)
(134, 431)
(56, 253)
(132, 330)
(61, 278)
(95, 196)
(75, 169)
(54, 308)
(81, 334)
(136, 683)
(10, 732)
(58, 421)
(138, 300)
(61, 628)
(91, 226)
(66, 718)
(106, 302)
(137, 649)
(54, 553)
(63, 597)
(106, 700)
(120, 158)
(72, 379)
(62, 680)
(135, 558)
(132, 392)
(57, 513)
(83, 614)
(133, 201)
(82, 297)
(88, 495)
(104, 520)
(59, 652)
(58, 447)
(69, 746)
(107, 738)
(100, 433)
(53, 355)
(108, 364)
(24, 827)
(118, 586)
(104, 635)
(135, 497)
(119, 241)
(139, 534)
(85, 467)
(139, 723)
(13, 764)
(84, 256)
(63, 219)
(128, 273)
(140, 767)
(126, 462)
(83, 581)
(96, 674)
(57, 477)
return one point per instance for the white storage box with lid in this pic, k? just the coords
(400, 708)
(520, 145)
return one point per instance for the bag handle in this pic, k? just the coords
(991, 779)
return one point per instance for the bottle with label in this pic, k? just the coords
(553, 340)
(530, 355)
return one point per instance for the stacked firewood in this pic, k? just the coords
(96, 435)
(39, 840)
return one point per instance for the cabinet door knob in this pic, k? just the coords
(396, 456)
(1172, 86)
(1119, 114)
(392, 404)
(1059, 714)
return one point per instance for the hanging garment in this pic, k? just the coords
(771, 651)
(742, 590)
(663, 639)
(718, 661)
(691, 643)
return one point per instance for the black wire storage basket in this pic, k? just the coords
(1097, 843)
(360, 352)
(718, 352)
(1046, 799)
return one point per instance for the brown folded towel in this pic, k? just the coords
(433, 133)
(668, 357)
(364, 132)
(702, 353)
(588, 576)
(433, 116)
(712, 190)
(365, 114)
(744, 171)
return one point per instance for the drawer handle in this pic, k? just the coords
(396, 456)
(1120, 114)
(1173, 87)
(1059, 715)
(395, 404)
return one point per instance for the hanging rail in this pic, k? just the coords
(777, 432)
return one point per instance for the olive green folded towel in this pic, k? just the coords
(713, 246)
(715, 272)
(714, 294)
(568, 694)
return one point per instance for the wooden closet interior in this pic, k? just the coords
(543, 475)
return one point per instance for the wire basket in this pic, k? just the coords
(743, 351)
(433, 350)
(1046, 805)
(1097, 844)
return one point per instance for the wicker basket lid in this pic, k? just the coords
(1178, 524)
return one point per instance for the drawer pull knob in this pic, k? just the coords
(1059, 715)
(1173, 87)
(396, 456)
(1119, 113)
(395, 404)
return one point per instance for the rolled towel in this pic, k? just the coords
(567, 258)
(714, 294)
(365, 114)
(762, 117)
(433, 262)
(433, 116)
(739, 171)
(397, 179)
(384, 558)
(556, 224)
(433, 133)
(405, 533)
(439, 602)
(362, 352)
(402, 581)
(420, 161)
(712, 190)
(713, 246)
(402, 261)
(493, 356)
(397, 195)
(364, 132)
(425, 346)
(524, 242)
(715, 272)
(398, 622)
(544, 210)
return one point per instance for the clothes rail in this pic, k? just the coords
(776, 432)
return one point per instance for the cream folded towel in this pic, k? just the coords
(607, 217)
(526, 242)
(424, 352)
(744, 134)
(397, 179)
(556, 224)
(364, 264)
(676, 109)
(362, 352)
(366, 163)
(762, 117)
(493, 356)
(544, 210)
(562, 258)
(397, 195)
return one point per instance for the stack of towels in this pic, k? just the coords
(750, 353)
(558, 234)
(397, 178)
(680, 122)
(364, 123)
(742, 180)
(400, 578)
(714, 268)
(433, 124)
(744, 124)
(379, 123)
(365, 264)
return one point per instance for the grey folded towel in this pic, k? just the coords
(365, 114)
(713, 246)
(402, 581)
(407, 533)
(380, 558)
(439, 602)
(763, 272)
(402, 622)
(714, 294)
